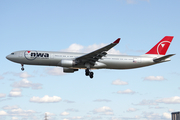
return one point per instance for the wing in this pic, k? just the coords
(94, 56)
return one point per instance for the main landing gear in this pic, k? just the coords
(22, 67)
(89, 73)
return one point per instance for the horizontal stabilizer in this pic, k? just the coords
(163, 59)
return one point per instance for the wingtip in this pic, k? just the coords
(117, 41)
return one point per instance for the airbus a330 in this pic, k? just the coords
(98, 59)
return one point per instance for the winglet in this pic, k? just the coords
(117, 41)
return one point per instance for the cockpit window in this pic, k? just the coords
(12, 53)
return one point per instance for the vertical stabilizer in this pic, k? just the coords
(162, 46)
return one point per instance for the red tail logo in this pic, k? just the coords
(162, 46)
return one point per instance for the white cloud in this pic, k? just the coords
(64, 113)
(74, 48)
(119, 82)
(24, 83)
(77, 117)
(79, 48)
(16, 92)
(171, 100)
(154, 78)
(10, 107)
(45, 99)
(50, 114)
(23, 75)
(54, 71)
(2, 95)
(166, 115)
(94, 47)
(65, 119)
(115, 118)
(104, 110)
(114, 51)
(137, 117)
(151, 116)
(3, 113)
(156, 116)
(15, 118)
(131, 110)
(109, 113)
(20, 112)
(128, 91)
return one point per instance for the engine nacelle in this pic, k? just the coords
(68, 70)
(66, 63)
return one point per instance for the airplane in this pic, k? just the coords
(98, 59)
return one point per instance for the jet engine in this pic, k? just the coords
(66, 63)
(69, 70)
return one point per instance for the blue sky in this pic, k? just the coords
(149, 93)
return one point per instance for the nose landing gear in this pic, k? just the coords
(22, 67)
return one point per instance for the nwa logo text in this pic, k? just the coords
(31, 55)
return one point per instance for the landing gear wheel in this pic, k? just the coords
(91, 74)
(22, 67)
(87, 72)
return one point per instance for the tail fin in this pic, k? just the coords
(162, 46)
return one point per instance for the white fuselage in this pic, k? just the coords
(98, 59)
(109, 61)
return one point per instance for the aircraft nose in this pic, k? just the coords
(8, 57)
(12, 57)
